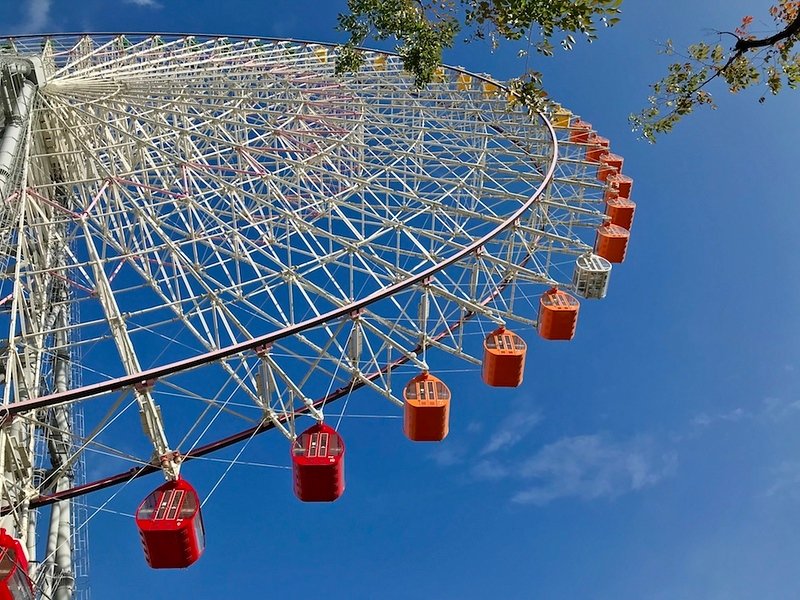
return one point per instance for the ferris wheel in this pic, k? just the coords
(206, 238)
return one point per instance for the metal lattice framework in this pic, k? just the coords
(216, 235)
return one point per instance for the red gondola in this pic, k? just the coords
(503, 358)
(14, 581)
(558, 315)
(426, 412)
(171, 526)
(318, 464)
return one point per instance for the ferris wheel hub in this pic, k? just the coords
(29, 67)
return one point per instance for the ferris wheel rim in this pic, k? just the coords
(239, 37)
(230, 440)
(214, 356)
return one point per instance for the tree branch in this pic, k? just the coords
(743, 45)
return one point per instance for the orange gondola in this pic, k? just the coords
(558, 315)
(599, 146)
(426, 412)
(503, 358)
(619, 184)
(621, 211)
(318, 464)
(171, 526)
(610, 164)
(612, 242)
(579, 132)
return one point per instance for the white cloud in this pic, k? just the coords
(490, 470)
(146, 3)
(773, 409)
(591, 466)
(786, 480)
(475, 427)
(449, 455)
(704, 419)
(778, 409)
(512, 430)
(584, 467)
(37, 16)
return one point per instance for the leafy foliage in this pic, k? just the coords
(424, 28)
(749, 62)
(424, 31)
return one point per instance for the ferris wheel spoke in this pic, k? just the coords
(227, 236)
(154, 427)
(73, 444)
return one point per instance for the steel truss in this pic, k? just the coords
(247, 237)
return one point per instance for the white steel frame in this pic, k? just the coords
(244, 233)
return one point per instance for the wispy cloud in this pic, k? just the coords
(779, 409)
(786, 480)
(512, 430)
(474, 427)
(490, 470)
(448, 455)
(771, 409)
(583, 466)
(145, 3)
(731, 416)
(37, 17)
(592, 466)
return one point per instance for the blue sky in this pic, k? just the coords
(654, 457)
